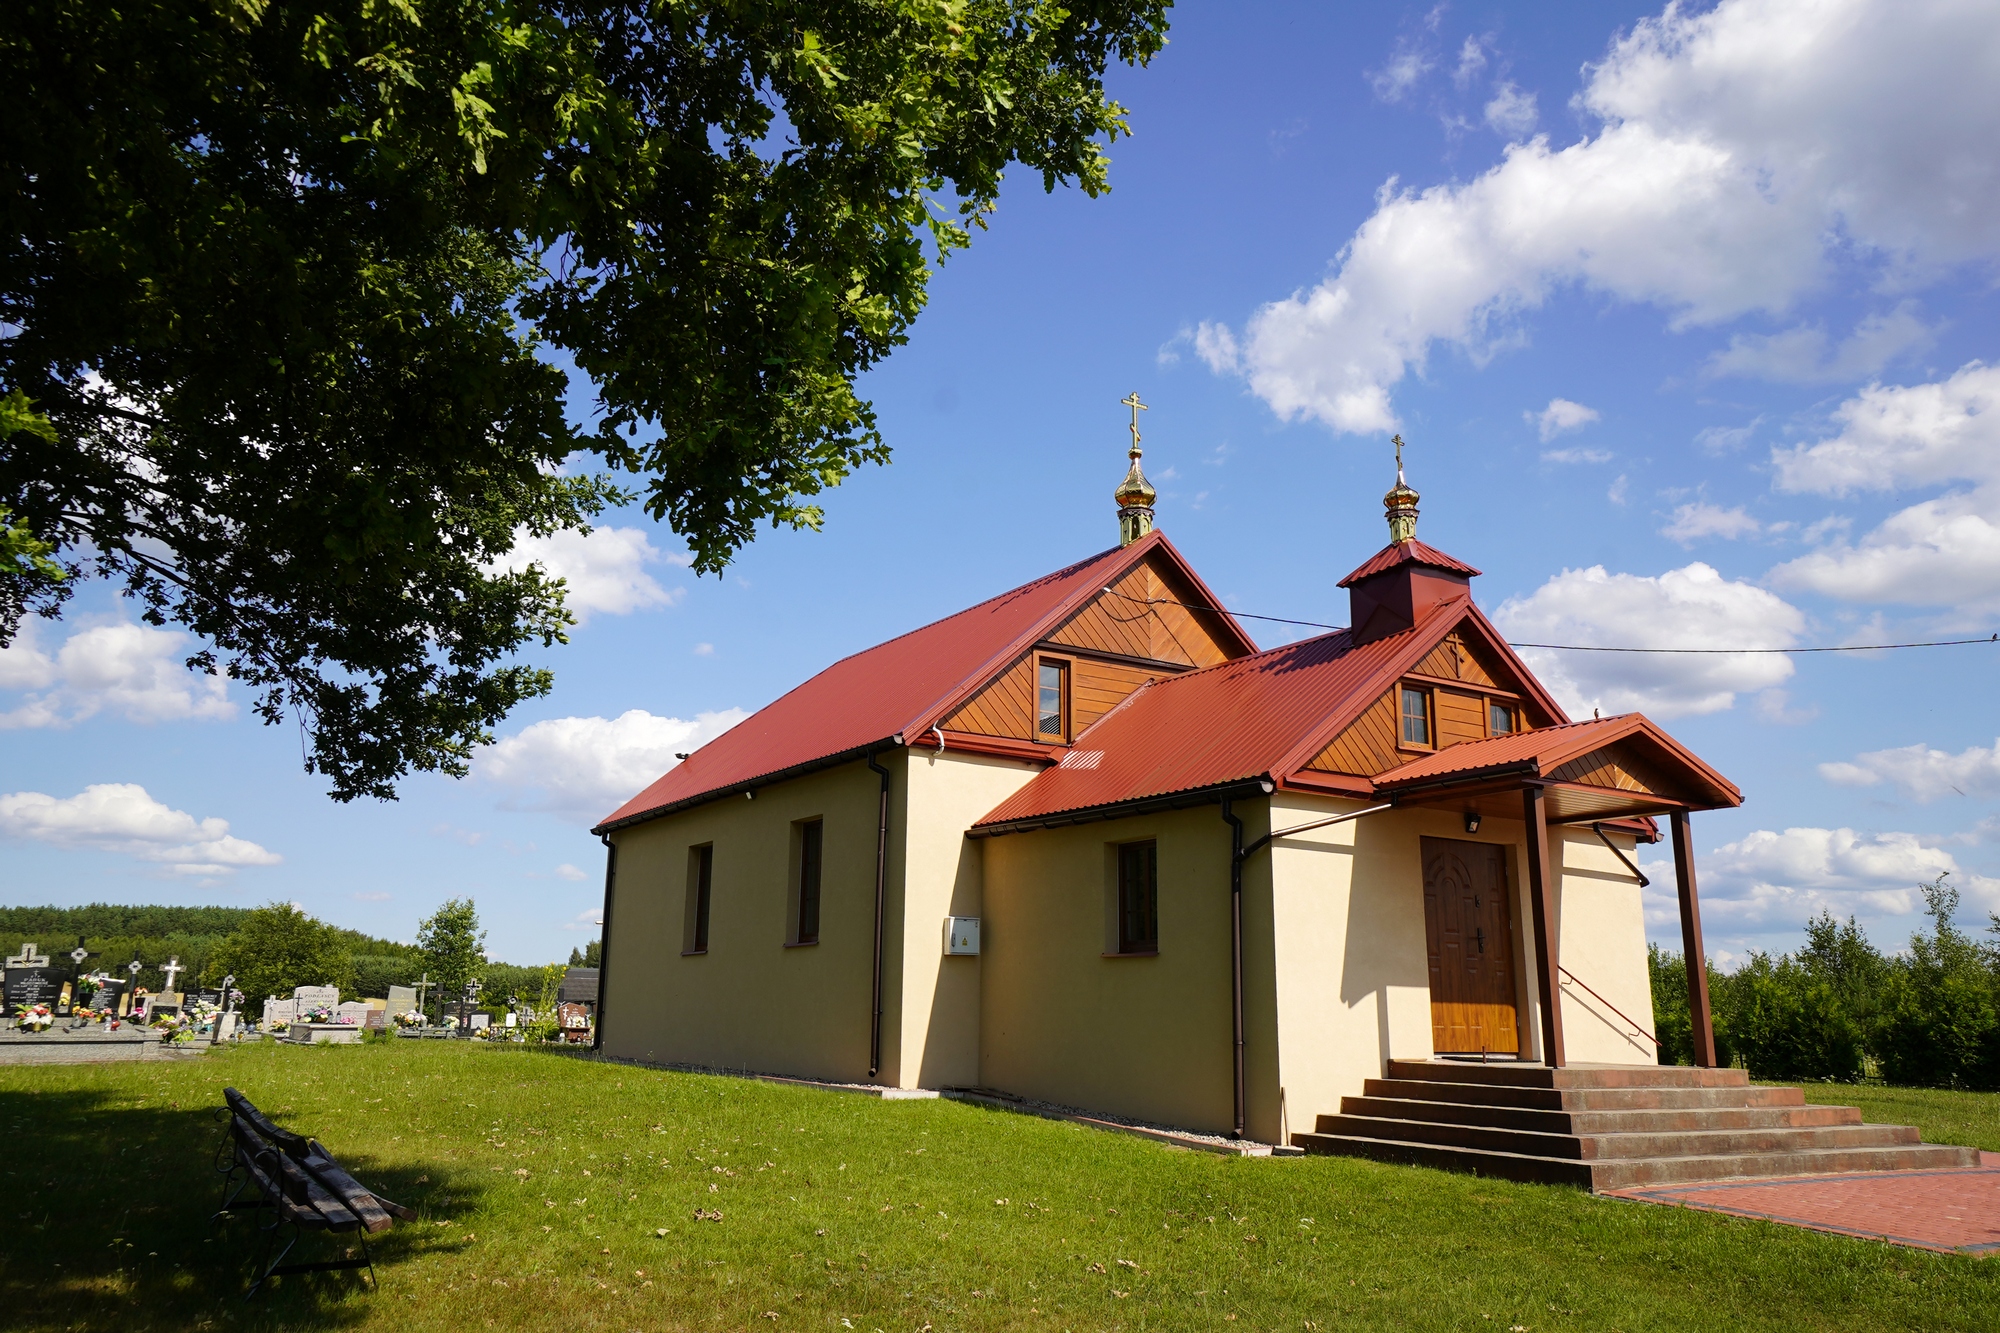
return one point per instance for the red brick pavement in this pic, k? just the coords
(1957, 1212)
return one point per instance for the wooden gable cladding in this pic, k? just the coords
(1619, 765)
(1139, 620)
(1368, 746)
(1455, 659)
(1007, 706)
(1004, 708)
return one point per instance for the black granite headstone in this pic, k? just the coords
(26, 987)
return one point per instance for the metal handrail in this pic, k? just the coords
(1608, 1005)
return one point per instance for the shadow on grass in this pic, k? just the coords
(106, 1207)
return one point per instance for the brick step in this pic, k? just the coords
(1521, 1075)
(1738, 1142)
(1485, 1138)
(1656, 1120)
(1635, 1172)
(1581, 1099)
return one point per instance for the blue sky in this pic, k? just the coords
(1686, 318)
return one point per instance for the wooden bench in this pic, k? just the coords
(299, 1188)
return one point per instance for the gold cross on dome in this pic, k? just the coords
(1397, 440)
(1131, 400)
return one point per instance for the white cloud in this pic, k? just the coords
(1559, 416)
(1778, 880)
(1405, 68)
(1923, 773)
(1740, 151)
(1692, 522)
(1726, 439)
(1801, 355)
(605, 571)
(121, 817)
(570, 872)
(1941, 552)
(587, 766)
(1576, 455)
(1471, 59)
(135, 671)
(1694, 607)
(1511, 112)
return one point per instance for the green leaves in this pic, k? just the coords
(289, 280)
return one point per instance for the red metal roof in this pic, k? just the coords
(1235, 722)
(1412, 552)
(1548, 748)
(895, 689)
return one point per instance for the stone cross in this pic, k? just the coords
(30, 956)
(423, 984)
(173, 969)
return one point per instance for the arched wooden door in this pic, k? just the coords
(1469, 930)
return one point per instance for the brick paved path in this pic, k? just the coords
(1957, 1212)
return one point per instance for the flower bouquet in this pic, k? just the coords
(176, 1029)
(409, 1018)
(319, 1013)
(37, 1019)
(278, 1027)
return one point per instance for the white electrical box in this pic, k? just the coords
(961, 935)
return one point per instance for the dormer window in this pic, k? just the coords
(1416, 707)
(1052, 702)
(1499, 718)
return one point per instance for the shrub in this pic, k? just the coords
(1938, 1025)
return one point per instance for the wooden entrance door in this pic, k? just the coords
(1469, 930)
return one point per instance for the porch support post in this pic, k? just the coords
(1701, 1023)
(1541, 899)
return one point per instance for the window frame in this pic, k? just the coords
(1403, 742)
(1138, 904)
(1065, 684)
(808, 875)
(700, 899)
(1502, 708)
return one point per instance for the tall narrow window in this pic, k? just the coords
(1139, 898)
(1499, 718)
(1052, 701)
(1416, 716)
(701, 876)
(809, 859)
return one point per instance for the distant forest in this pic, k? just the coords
(152, 935)
(117, 935)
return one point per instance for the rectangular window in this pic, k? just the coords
(1052, 701)
(1499, 718)
(1416, 716)
(1139, 898)
(701, 879)
(809, 859)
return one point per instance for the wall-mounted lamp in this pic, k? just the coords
(1472, 821)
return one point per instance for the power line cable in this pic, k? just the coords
(1576, 647)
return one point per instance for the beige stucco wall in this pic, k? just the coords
(937, 1036)
(1145, 1037)
(1603, 943)
(750, 1002)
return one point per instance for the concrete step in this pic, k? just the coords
(1655, 1120)
(1522, 1075)
(1495, 1165)
(1546, 1099)
(1632, 1173)
(1485, 1138)
(1738, 1142)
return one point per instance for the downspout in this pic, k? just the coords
(881, 896)
(604, 938)
(1236, 950)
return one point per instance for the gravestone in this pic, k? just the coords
(28, 979)
(213, 997)
(313, 997)
(110, 995)
(481, 1022)
(280, 1011)
(225, 1026)
(353, 1011)
(402, 999)
(376, 1021)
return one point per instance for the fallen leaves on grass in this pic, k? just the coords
(708, 1214)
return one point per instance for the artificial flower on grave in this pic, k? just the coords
(205, 1014)
(37, 1019)
(86, 1015)
(278, 1026)
(176, 1029)
(409, 1018)
(319, 1013)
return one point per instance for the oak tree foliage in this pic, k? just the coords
(289, 294)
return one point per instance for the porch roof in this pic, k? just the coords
(1606, 768)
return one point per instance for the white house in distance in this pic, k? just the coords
(1084, 843)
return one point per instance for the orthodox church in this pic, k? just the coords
(1086, 843)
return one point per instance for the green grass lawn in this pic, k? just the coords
(559, 1193)
(1971, 1119)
